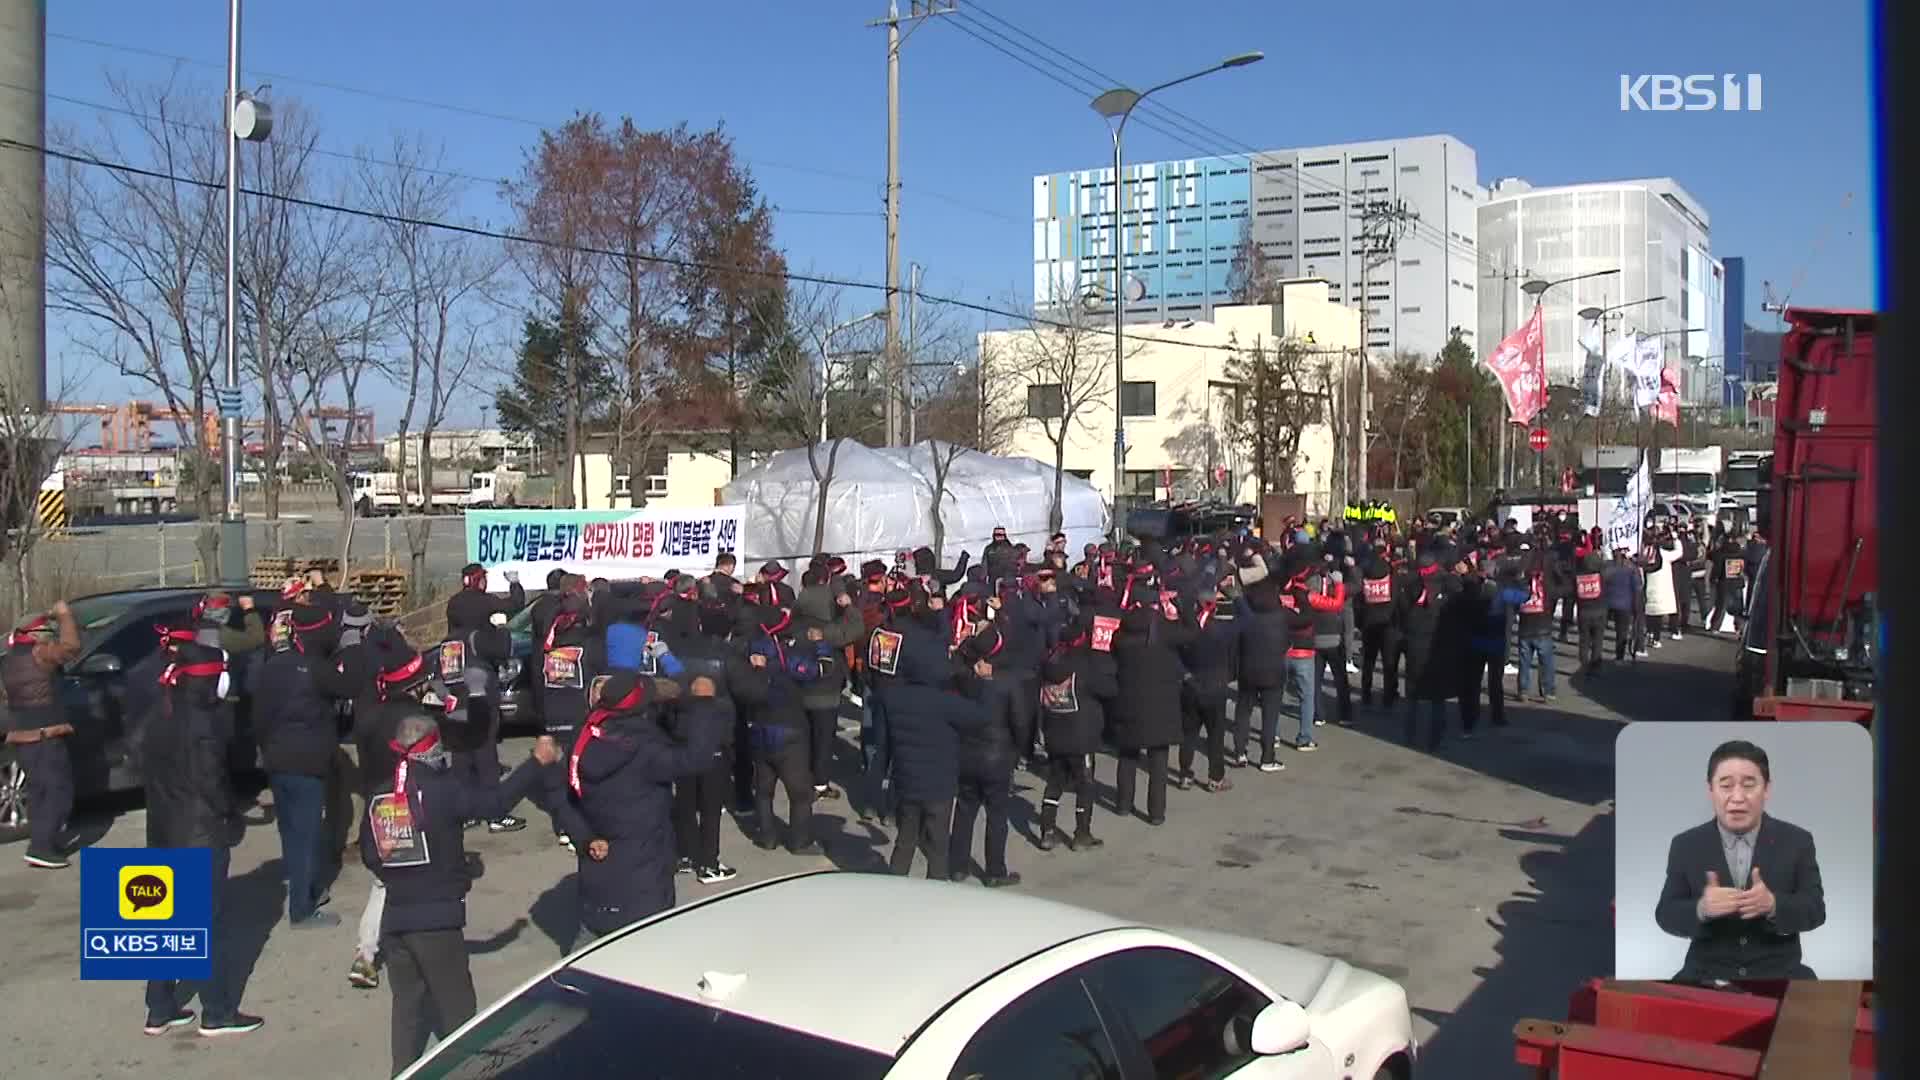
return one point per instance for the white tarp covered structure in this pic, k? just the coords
(880, 502)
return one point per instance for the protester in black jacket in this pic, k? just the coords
(1022, 623)
(473, 607)
(620, 791)
(190, 802)
(298, 730)
(926, 716)
(699, 800)
(1263, 672)
(781, 667)
(1379, 630)
(1545, 583)
(413, 844)
(1073, 684)
(1434, 658)
(1209, 657)
(986, 757)
(1148, 723)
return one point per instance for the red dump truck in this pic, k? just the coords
(1809, 653)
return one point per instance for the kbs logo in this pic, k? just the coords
(1689, 93)
(146, 892)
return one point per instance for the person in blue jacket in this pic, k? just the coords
(1491, 600)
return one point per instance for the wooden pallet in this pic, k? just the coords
(271, 572)
(383, 591)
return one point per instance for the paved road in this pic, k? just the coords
(1479, 877)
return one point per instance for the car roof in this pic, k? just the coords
(861, 959)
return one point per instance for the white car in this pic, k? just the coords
(844, 976)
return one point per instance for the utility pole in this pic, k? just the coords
(913, 347)
(895, 380)
(1382, 226)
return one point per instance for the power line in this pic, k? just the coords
(1427, 231)
(357, 158)
(830, 281)
(509, 118)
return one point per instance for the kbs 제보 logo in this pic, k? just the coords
(146, 892)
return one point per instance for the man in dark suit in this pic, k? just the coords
(1744, 886)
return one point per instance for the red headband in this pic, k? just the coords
(398, 675)
(591, 730)
(427, 742)
(475, 579)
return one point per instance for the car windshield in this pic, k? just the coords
(95, 613)
(1743, 478)
(575, 1024)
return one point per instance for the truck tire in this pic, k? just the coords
(13, 796)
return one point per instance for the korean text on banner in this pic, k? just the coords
(1520, 363)
(613, 544)
(1628, 518)
(1645, 367)
(146, 913)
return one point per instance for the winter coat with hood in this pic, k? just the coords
(1264, 624)
(925, 716)
(473, 606)
(296, 723)
(1622, 583)
(625, 765)
(1074, 682)
(1435, 643)
(1373, 594)
(987, 749)
(184, 753)
(433, 896)
(840, 626)
(1211, 652)
(1146, 650)
(776, 712)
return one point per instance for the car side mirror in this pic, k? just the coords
(1281, 1028)
(100, 663)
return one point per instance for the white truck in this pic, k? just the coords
(1746, 474)
(1692, 474)
(500, 487)
(377, 494)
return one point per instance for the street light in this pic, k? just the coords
(1600, 315)
(249, 119)
(1537, 288)
(1117, 105)
(826, 362)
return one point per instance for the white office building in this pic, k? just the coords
(1184, 220)
(1651, 230)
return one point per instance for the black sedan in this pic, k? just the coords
(117, 631)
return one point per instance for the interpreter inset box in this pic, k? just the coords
(1743, 851)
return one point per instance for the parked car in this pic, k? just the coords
(1009, 986)
(117, 632)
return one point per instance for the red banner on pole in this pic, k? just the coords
(1520, 363)
(1667, 405)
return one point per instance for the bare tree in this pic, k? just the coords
(293, 263)
(1278, 402)
(345, 345)
(954, 419)
(440, 278)
(138, 259)
(1067, 361)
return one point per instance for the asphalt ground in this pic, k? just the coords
(1478, 876)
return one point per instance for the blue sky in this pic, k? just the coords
(801, 86)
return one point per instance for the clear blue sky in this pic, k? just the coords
(801, 86)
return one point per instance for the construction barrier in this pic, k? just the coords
(51, 511)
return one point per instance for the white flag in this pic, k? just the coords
(1649, 353)
(1628, 518)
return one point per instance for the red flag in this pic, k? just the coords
(1667, 405)
(1520, 363)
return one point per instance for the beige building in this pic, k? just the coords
(680, 478)
(1178, 396)
(492, 446)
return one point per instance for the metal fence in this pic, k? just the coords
(84, 560)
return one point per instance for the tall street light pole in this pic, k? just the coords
(1601, 314)
(250, 120)
(1117, 105)
(1537, 288)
